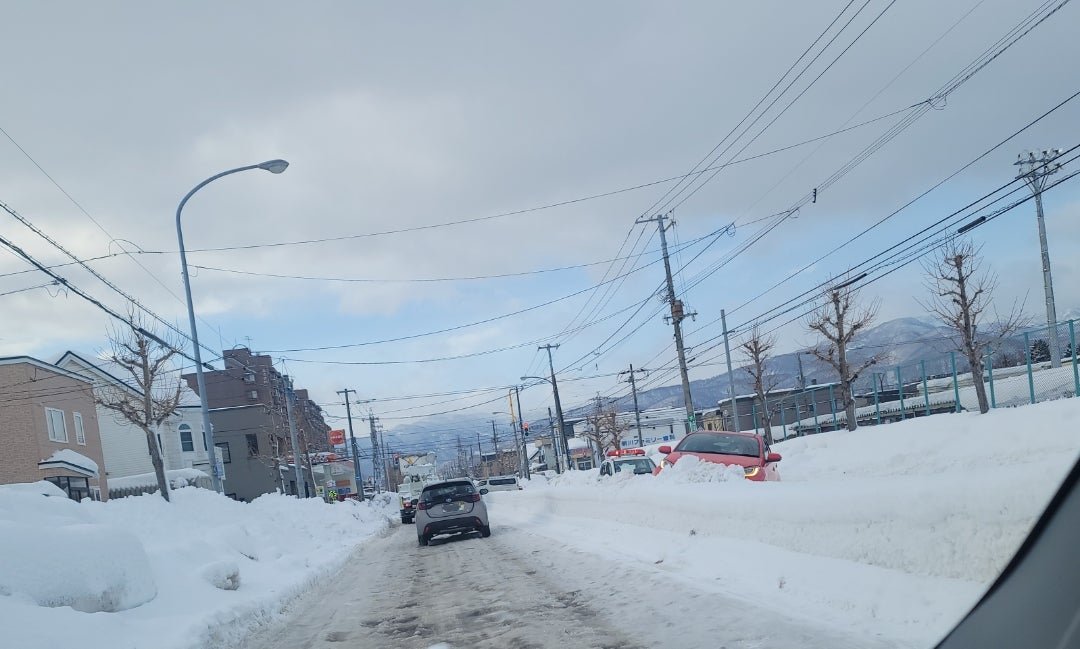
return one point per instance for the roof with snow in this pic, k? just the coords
(92, 370)
(68, 459)
(575, 443)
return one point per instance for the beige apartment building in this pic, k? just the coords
(49, 428)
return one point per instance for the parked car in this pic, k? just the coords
(450, 507)
(501, 483)
(632, 460)
(719, 447)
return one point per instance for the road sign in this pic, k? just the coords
(337, 437)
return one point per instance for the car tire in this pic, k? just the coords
(422, 540)
(485, 531)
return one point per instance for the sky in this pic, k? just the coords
(397, 120)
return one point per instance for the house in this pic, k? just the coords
(49, 428)
(123, 444)
(816, 403)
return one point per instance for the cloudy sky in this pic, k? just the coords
(397, 118)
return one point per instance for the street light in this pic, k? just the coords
(274, 167)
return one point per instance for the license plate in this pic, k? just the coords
(451, 508)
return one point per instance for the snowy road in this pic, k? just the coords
(520, 590)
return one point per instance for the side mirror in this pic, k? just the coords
(772, 457)
(414, 501)
(484, 492)
(665, 449)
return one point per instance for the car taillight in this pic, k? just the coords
(473, 498)
(422, 504)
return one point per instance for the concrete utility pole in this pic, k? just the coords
(678, 314)
(558, 405)
(633, 389)
(357, 476)
(522, 426)
(730, 374)
(292, 435)
(1035, 167)
(554, 443)
(376, 470)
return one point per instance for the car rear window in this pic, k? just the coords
(503, 481)
(452, 491)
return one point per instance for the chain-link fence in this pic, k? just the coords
(1016, 370)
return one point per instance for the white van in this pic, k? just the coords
(499, 483)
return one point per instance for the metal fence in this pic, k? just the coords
(1018, 370)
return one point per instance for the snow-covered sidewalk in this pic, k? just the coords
(201, 571)
(892, 530)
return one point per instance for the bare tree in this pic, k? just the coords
(758, 352)
(960, 296)
(839, 321)
(604, 430)
(145, 357)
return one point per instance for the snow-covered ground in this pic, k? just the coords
(890, 531)
(138, 572)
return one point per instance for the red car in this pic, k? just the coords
(719, 447)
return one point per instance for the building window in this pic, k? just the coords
(186, 442)
(75, 487)
(80, 432)
(226, 455)
(253, 444)
(54, 421)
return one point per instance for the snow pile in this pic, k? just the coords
(45, 540)
(893, 529)
(177, 478)
(198, 572)
(689, 470)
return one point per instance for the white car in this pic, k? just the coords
(499, 483)
(632, 460)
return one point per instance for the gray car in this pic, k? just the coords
(451, 507)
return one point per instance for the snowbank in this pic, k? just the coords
(198, 572)
(45, 540)
(177, 478)
(894, 529)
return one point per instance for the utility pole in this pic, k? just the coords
(357, 476)
(730, 374)
(1034, 169)
(678, 314)
(385, 459)
(558, 405)
(633, 389)
(375, 468)
(554, 443)
(480, 452)
(522, 426)
(292, 436)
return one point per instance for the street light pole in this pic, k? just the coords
(275, 167)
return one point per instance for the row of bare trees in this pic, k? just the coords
(960, 297)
